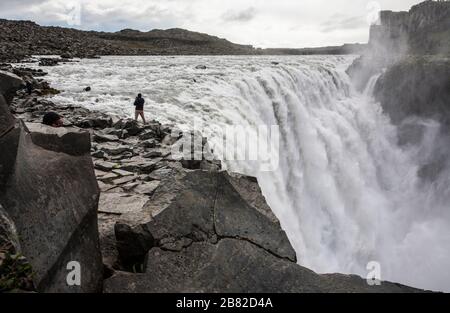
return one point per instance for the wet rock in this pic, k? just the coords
(48, 62)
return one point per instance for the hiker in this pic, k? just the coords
(53, 119)
(139, 104)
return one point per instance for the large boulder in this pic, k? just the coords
(197, 206)
(9, 84)
(49, 190)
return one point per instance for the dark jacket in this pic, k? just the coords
(139, 104)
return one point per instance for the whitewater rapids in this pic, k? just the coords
(345, 192)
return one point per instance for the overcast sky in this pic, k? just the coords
(262, 23)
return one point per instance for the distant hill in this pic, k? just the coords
(344, 49)
(22, 38)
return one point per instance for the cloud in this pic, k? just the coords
(240, 16)
(340, 22)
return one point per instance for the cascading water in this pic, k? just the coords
(344, 191)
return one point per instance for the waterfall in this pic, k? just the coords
(345, 192)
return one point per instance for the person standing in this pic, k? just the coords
(139, 104)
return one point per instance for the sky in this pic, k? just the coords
(261, 23)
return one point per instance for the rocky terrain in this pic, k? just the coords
(111, 195)
(19, 39)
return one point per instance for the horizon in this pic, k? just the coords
(262, 25)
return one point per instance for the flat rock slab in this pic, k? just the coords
(147, 188)
(66, 140)
(121, 203)
(105, 166)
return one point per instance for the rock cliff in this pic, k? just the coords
(423, 30)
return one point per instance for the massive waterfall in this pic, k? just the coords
(345, 192)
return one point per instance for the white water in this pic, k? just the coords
(345, 193)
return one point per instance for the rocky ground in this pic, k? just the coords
(19, 39)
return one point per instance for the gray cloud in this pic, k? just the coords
(342, 22)
(240, 16)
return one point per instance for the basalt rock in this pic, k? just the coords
(48, 189)
(234, 266)
(9, 84)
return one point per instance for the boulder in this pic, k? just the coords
(204, 206)
(65, 140)
(51, 194)
(9, 84)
